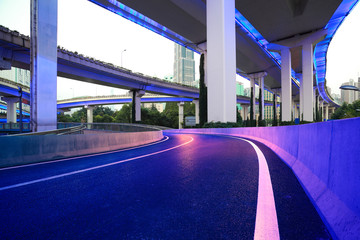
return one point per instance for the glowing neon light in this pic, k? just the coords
(146, 22)
(321, 48)
(242, 22)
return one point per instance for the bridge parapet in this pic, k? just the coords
(325, 158)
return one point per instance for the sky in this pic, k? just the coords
(96, 32)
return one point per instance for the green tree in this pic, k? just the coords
(64, 118)
(203, 94)
(238, 117)
(124, 114)
(274, 111)
(80, 115)
(171, 115)
(347, 111)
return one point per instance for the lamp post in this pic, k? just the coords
(122, 56)
(20, 110)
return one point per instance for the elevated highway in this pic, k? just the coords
(15, 49)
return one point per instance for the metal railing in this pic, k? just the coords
(78, 129)
(14, 127)
(122, 127)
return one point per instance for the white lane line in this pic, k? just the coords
(266, 224)
(92, 168)
(83, 156)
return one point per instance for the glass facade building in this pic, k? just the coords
(184, 66)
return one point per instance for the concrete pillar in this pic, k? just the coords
(197, 118)
(286, 84)
(10, 108)
(252, 86)
(89, 113)
(136, 95)
(301, 97)
(297, 111)
(326, 112)
(181, 114)
(221, 60)
(43, 65)
(307, 92)
(246, 112)
(262, 87)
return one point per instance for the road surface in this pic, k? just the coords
(186, 186)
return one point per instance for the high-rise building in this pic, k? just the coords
(184, 66)
(239, 91)
(17, 75)
(350, 96)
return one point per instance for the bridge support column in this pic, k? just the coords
(307, 82)
(245, 107)
(136, 101)
(43, 65)
(285, 84)
(197, 116)
(252, 92)
(221, 60)
(181, 114)
(301, 96)
(11, 108)
(90, 115)
(326, 112)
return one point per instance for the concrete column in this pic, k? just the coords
(246, 112)
(89, 113)
(301, 97)
(10, 108)
(136, 95)
(307, 92)
(252, 86)
(197, 118)
(262, 87)
(221, 60)
(43, 65)
(326, 112)
(314, 100)
(286, 84)
(181, 114)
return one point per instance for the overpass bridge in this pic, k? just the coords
(90, 101)
(199, 183)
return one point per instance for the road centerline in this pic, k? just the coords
(266, 224)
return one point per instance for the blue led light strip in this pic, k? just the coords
(242, 22)
(140, 19)
(321, 48)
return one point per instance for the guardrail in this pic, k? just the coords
(122, 127)
(78, 129)
(14, 127)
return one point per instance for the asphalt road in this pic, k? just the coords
(184, 187)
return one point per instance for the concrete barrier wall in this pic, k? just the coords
(326, 159)
(18, 150)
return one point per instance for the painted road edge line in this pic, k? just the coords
(92, 168)
(266, 224)
(83, 156)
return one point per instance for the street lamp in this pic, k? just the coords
(20, 109)
(349, 87)
(122, 56)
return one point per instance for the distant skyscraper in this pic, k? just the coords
(16, 75)
(184, 65)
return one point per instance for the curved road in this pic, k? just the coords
(183, 187)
